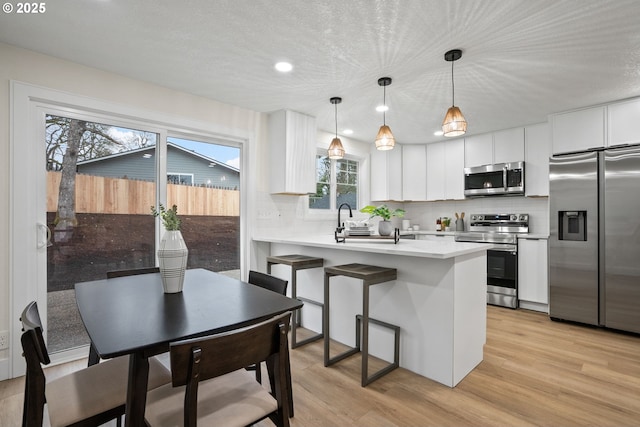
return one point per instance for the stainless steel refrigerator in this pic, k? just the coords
(594, 244)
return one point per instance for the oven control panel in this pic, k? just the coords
(500, 223)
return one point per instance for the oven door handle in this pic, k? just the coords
(504, 249)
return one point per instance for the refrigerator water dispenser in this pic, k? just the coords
(572, 225)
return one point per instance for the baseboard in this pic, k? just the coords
(4, 369)
(535, 306)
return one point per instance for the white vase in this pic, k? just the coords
(172, 256)
(385, 228)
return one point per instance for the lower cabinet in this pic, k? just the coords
(533, 267)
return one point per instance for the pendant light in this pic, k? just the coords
(384, 139)
(454, 123)
(336, 150)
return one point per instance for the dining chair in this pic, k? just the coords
(271, 283)
(93, 353)
(268, 281)
(210, 386)
(132, 272)
(277, 285)
(87, 397)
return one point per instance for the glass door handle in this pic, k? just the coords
(44, 236)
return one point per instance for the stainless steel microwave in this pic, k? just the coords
(500, 179)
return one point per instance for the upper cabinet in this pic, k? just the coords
(478, 150)
(623, 123)
(578, 130)
(536, 159)
(498, 147)
(445, 170)
(508, 145)
(386, 174)
(414, 172)
(292, 151)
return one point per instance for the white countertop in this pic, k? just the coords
(406, 247)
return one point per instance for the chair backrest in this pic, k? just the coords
(36, 354)
(132, 272)
(200, 359)
(267, 281)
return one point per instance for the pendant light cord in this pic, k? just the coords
(336, 109)
(384, 104)
(453, 88)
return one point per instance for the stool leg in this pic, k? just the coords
(295, 320)
(365, 333)
(325, 319)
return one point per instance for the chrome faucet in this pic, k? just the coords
(340, 225)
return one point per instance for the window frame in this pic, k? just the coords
(333, 185)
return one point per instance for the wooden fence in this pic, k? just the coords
(98, 194)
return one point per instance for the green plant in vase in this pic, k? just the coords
(169, 217)
(172, 252)
(383, 211)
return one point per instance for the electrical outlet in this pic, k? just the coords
(4, 340)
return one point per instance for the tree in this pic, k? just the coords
(69, 141)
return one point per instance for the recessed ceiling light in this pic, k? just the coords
(284, 67)
(438, 133)
(382, 108)
(348, 132)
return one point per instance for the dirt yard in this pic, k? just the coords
(104, 242)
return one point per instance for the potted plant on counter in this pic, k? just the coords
(383, 211)
(173, 252)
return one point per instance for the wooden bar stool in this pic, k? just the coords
(370, 275)
(298, 262)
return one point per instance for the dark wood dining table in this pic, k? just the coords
(132, 315)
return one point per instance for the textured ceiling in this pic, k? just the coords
(521, 59)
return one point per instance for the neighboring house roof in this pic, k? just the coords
(183, 166)
(152, 148)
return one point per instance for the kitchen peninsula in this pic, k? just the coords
(438, 300)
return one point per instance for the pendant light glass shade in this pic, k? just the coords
(384, 138)
(336, 150)
(454, 123)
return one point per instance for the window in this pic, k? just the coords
(336, 183)
(180, 178)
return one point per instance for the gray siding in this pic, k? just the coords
(136, 166)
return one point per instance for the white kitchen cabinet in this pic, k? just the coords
(508, 145)
(623, 124)
(478, 150)
(292, 150)
(445, 170)
(435, 171)
(454, 169)
(498, 147)
(578, 130)
(533, 266)
(536, 159)
(386, 174)
(414, 172)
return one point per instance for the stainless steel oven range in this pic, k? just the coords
(502, 261)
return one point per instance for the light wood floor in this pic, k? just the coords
(535, 373)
